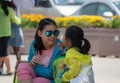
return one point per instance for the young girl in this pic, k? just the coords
(6, 16)
(16, 40)
(43, 50)
(77, 65)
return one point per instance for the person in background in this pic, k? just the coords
(16, 39)
(6, 16)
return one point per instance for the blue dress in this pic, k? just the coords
(16, 38)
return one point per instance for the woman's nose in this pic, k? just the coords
(53, 35)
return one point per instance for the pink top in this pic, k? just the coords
(46, 56)
(25, 71)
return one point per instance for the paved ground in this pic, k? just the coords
(107, 70)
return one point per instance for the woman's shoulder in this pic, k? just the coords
(32, 44)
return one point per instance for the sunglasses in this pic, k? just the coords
(49, 33)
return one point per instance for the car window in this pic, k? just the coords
(42, 3)
(89, 9)
(117, 3)
(102, 8)
(69, 2)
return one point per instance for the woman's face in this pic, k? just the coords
(47, 35)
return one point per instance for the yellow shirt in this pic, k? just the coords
(74, 61)
(5, 21)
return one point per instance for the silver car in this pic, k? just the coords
(105, 8)
(55, 8)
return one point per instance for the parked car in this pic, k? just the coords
(105, 8)
(62, 7)
(67, 7)
(51, 7)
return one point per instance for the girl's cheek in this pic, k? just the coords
(64, 43)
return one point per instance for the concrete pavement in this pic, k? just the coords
(107, 70)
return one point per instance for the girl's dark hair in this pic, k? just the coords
(5, 7)
(38, 41)
(12, 5)
(76, 35)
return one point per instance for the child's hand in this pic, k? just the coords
(61, 46)
(65, 68)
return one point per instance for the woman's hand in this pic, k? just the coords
(35, 60)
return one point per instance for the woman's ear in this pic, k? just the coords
(39, 33)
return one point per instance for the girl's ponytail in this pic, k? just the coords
(85, 47)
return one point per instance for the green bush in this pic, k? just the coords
(116, 23)
(85, 21)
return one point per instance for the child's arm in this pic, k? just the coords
(57, 68)
(13, 17)
(74, 69)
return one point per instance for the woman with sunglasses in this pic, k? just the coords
(43, 51)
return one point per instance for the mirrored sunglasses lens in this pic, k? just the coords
(56, 32)
(48, 33)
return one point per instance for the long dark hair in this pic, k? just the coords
(76, 35)
(38, 40)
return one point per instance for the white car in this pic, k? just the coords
(50, 7)
(105, 8)
(67, 7)
(59, 7)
